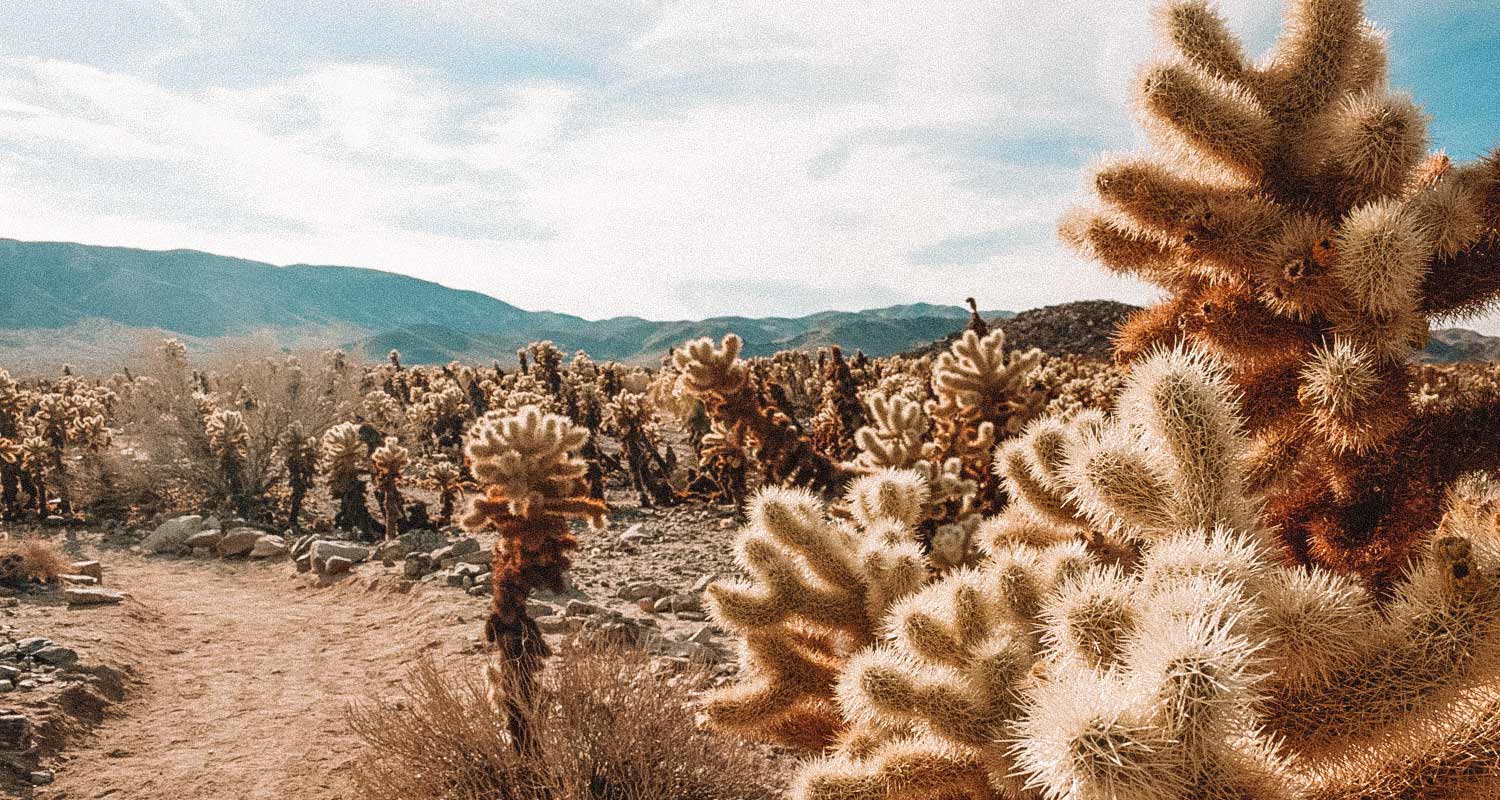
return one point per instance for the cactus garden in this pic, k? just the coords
(1241, 543)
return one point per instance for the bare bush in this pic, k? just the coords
(607, 728)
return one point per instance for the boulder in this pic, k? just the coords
(422, 541)
(206, 539)
(640, 590)
(337, 565)
(15, 732)
(93, 569)
(239, 542)
(92, 596)
(324, 549)
(269, 546)
(679, 602)
(170, 536)
(56, 655)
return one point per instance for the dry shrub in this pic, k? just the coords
(607, 728)
(31, 559)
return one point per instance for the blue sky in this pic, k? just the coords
(663, 159)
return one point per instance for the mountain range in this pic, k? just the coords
(92, 306)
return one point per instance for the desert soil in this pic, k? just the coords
(242, 672)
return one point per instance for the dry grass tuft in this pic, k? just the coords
(31, 560)
(607, 728)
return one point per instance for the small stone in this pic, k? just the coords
(57, 655)
(578, 608)
(702, 583)
(703, 635)
(479, 591)
(40, 777)
(325, 549)
(208, 539)
(78, 580)
(9, 673)
(7, 685)
(337, 565)
(394, 550)
(634, 535)
(32, 644)
(554, 624)
(416, 565)
(303, 563)
(92, 596)
(170, 535)
(239, 542)
(26, 683)
(726, 523)
(469, 570)
(269, 546)
(639, 590)
(679, 602)
(15, 732)
(455, 579)
(93, 569)
(536, 609)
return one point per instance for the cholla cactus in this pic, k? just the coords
(229, 441)
(449, 479)
(629, 418)
(389, 459)
(1303, 238)
(818, 593)
(345, 461)
(533, 485)
(1200, 667)
(299, 460)
(716, 375)
(839, 414)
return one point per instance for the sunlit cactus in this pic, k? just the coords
(533, 484)
(345, 461)
(388, 460)
(1304, 236)
(299, 461)
(1192, 664)
(716, 375)
(449, 479)
(818, 591)
(229, 440)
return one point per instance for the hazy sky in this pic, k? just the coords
(663, 159)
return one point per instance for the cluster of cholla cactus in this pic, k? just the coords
(299, 456)
(715, 375)
(1305, 236)
(229, 439)
(39, 423)
(386, 464)
(345, 460)
(1134, 629)
(533, 484)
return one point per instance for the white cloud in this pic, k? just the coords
(597, 158)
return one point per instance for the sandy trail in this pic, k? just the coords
(247, 671)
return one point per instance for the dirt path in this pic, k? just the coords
(247, 671)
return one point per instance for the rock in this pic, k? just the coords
(640, 590)
(702, 583)
(635, 534)
(239, 542)
(269, 546)
(93, 569)
(7, 685)
(703, 635)
(578, 608)
(692, 616)
(302, 545)
(170, 536)
(647, 604)
(454, 579)
(536, 610)
(78, 580)
(57, 656)
(478, 558)
(555, 624)
(9, 673)
(9, 652)
(206, 539)
(325, 549)
(470, 570)
(479, 590)
(422, 541)
(212, 522)
(416, 565)
(726, 523)
(679, 602)
(303, 563)
(394, 550)
(337, 565)
(15, 732)
(40, 777)
(32, 644)
(92, 596)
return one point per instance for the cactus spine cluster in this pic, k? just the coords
(533, 483)
(1304, 235)
(1132, 632)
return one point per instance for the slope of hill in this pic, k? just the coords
(1452, 345)
(106, 300)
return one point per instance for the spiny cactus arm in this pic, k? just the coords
(894, 439)
(917, 768)
(786, 699)
(1121, 247)
(1214, 117)
(1438, 631)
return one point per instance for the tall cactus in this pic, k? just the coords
(1304, 236)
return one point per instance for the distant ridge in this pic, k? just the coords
(90, 305)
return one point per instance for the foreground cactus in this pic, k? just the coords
(1304, 236)
(1131, 633)
(533, 484)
